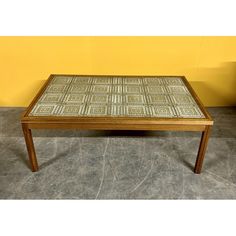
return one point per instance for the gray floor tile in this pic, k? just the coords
(117, 164)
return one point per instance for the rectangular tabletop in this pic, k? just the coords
(158, 99)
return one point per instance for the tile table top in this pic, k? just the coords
(101, 96)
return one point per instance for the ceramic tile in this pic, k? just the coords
(140, 96)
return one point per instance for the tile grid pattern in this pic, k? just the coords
(166, 97)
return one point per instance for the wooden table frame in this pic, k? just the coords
(116, 123)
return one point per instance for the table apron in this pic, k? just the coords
(94, 126)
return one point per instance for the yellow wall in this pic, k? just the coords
(208, 62)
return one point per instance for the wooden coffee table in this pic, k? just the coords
(117, 103)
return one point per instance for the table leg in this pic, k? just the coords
(30, 147)
(202, 150)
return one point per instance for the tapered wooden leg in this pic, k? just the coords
(202, 150)
(30, 147)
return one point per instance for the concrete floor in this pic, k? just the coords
(118, 164)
